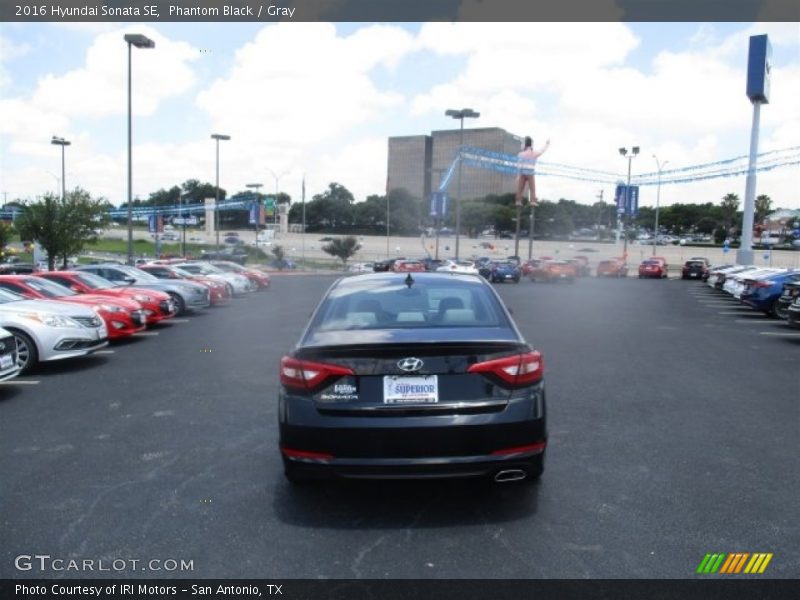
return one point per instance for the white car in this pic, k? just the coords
(738, 286)
(716, 273)
(8, 355)
(48, 330)
(458, 266)
(361, 267)
(731, 278)
(237, 284)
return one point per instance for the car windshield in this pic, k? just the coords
(138, 274)
(181, 272)
(385, 304)
(50, 289)
(9, 296)
(94, 281)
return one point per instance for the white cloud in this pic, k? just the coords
(8, 52)
(99, 86)
(303, 97)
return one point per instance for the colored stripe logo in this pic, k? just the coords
(735, 562)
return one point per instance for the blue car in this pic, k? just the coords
(503, 270)
(763, 294)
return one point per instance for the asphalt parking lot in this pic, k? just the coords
(673, 423)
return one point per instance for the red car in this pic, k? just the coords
(157, 305)
(219, 292)
(531, 265)
(652, 268)
(260, 278)
(123, 317)
(408, 266)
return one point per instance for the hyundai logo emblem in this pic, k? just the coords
(410, 364)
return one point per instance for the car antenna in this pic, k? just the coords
(409, 281)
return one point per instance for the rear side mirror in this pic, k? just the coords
(76, 289)
(129, 280)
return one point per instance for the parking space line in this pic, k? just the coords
(781, 333)
(170, 321)
(104, 352)
(145, 334)
(719, 302)
(765, 321)
(19, 382)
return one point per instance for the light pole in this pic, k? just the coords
(183, 225)
(464, 113)
(658, 199)
(624, 153)
(140, 41)
(277, 179)
(256, 187)
(217, 137)
(59, 141)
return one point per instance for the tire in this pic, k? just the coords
(294, 476)
(180, 305)
(777, 312)
(27, 354)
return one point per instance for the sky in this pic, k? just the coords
(319, 100)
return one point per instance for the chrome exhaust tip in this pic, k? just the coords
(510, 475)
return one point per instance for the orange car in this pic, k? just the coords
(614, 267)
(554, 270)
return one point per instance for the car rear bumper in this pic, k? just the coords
(794, 316)
(389, 446)
(427, 468)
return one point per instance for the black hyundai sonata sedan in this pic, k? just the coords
(412, 376)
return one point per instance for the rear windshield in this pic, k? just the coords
(391, 304)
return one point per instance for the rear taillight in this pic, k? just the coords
(762, 284)
(307, 375)
(517, 371)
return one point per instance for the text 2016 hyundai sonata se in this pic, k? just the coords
(412, 376)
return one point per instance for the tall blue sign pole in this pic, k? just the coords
(758, 75)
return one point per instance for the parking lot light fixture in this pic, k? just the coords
(59, 141)
(660, 166)
(143, 42)
(629, 155)
(464, 113)
(217, 137)
(257, 187)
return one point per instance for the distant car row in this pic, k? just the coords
(54, 315)
(771, 290)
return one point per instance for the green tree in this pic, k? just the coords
(729, 206)
(6, 234)
(763, 208)
(40, 223)
(342, 248)
(63, 228)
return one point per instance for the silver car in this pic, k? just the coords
(186, 295)
(8, 355)
(47, 330)
(237, 284)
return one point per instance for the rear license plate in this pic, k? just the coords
(6, 360)
(509, 277)
(398, 389)
(692, 274)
